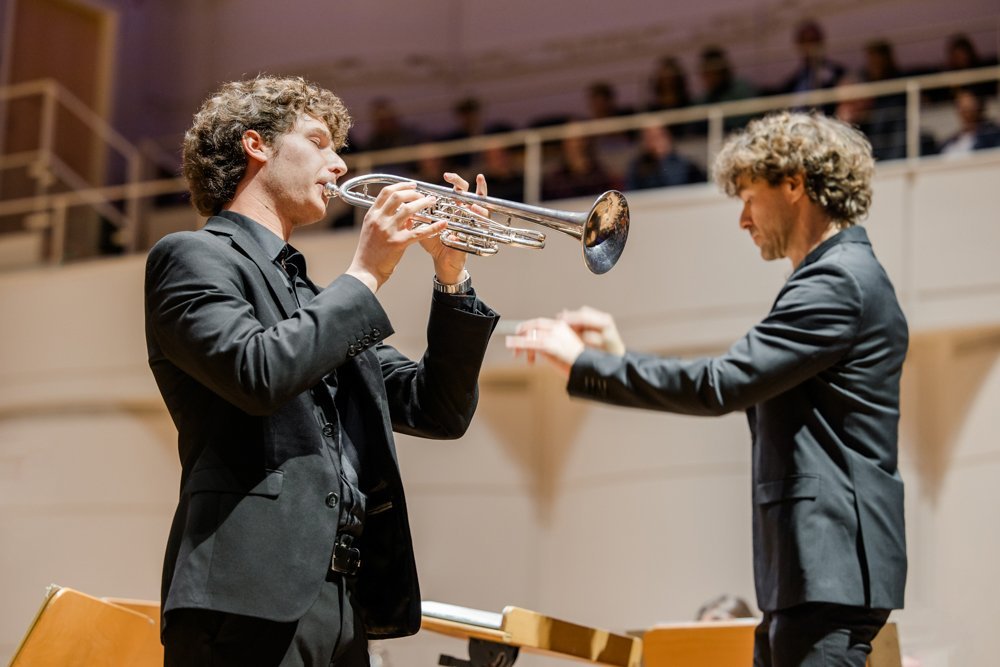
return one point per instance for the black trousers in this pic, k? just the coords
(817, 634)
(330, 634)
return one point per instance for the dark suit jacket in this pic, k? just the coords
(819, 380)
(239, 369)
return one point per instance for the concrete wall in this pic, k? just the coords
(602, 516)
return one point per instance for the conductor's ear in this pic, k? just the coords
(794, 187)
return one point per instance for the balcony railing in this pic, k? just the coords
(123, 205)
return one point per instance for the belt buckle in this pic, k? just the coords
(346, 559)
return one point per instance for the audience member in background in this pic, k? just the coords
(668, 89)
(602, 102)
(658, 165)
(724, 608)
(815, 70)
(719, 84)
(885, 123)
(886, 132)
(429, 165)
(977, 131)
(502, 166)
(880, 62)
(579, 172)
(468, 115)
(387, 128)
(960, 53)
(668, 86)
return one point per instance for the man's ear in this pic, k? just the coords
(794, 187)
(254, 146)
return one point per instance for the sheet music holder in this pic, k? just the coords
(495, 639)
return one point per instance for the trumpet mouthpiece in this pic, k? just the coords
(330, 190)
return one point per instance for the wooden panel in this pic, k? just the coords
(730, 644)
(720, 644)
(76, 630)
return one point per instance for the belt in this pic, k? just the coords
(346, 558)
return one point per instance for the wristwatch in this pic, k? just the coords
(461, 287)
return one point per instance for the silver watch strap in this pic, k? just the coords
(461, 287)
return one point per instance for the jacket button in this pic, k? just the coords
(332, 499)
(366, 341)
(376, 333)
(351, 350)
(328, 430)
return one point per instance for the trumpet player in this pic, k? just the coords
(290, 543)
(818, 379)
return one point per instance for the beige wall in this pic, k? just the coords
(599, 515)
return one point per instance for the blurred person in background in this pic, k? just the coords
(658, 164)
(976, 131)
(578, 171)
(726, 607)
(815, 71)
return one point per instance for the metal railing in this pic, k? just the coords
(51, 208)
(48, 169)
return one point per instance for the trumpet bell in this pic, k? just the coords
(605, 232)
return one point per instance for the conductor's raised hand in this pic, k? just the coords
(552, 339)
(388, 230)
(596, 328)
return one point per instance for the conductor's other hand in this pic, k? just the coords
(596, 329)
(552, 339)
(449, 263)
(388, 230)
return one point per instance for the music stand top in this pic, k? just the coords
(535, 632)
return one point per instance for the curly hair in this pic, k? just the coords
(213, 157)
(834, 159)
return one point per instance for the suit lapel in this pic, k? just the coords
(249, 247)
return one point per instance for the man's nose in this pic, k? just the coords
(745, 219)
(337, 166)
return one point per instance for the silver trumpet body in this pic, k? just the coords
(602, 231)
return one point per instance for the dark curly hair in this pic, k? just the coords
(214, 161)
(835, 161)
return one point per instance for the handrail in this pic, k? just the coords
(531, 139)
(53, 95)
(688, 114)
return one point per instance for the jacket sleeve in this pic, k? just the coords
(436, 397)
(813, 322)
(200, 316)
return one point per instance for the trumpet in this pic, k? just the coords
(602, 230)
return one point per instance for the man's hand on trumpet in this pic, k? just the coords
(449, 263)
(562, 339)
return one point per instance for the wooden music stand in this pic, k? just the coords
(716, 643)
(73, 629)
(496, 639)
(730, 644)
